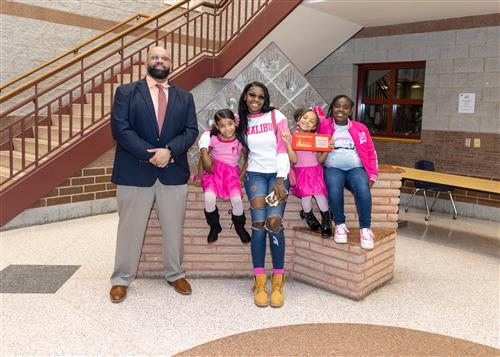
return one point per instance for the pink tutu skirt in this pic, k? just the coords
(224, 181)
(309, 181)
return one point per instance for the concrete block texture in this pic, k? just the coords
(475, 36)
(492, 64)
(365, 44)
(462, 122)
(352, 57)
(491, 124)
(415, 40)
(425, 53)
(492, 33)
(399, 55)
(375, 56)
(452, 52)
(439, 66)
(483, 80)
(388, 42)
(442, 38)
(468, 65)
(454, 80)
(109, 9)
(489, 49)
(491, 94)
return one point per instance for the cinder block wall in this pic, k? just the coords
(457, 60)
(28, 26)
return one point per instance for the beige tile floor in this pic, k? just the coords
(446, 281)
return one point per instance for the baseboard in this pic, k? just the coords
(42, 215)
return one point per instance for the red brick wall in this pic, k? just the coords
(84, 185)
(93, 182)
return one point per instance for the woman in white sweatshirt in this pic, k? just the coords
(261, 127)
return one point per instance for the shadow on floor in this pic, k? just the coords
(454, 238)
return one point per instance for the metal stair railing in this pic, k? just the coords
(59, 108)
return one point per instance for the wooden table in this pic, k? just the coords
(466, 182)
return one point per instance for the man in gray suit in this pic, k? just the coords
(154, 124)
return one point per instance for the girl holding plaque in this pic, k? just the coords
(309, 173)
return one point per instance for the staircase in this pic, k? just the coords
(58, 122)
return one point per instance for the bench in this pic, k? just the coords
(345, 269)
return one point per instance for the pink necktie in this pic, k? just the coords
(162, 106)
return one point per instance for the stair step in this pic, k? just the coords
(87, 110)
(110, 88)
(127, 78)
(43, 133)
(136, 68)
(76, 121)
(29, 144)
(5, 172)
(98, 98)
(16, 159)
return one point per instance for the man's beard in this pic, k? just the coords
(158, 73)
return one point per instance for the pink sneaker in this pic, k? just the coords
(366, 238)
(340, 233)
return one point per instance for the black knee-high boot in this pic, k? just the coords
(214, 223)
(311, 220)
(326, 224)
(239, 227)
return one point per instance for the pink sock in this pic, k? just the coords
(257, 271)
(278, 271)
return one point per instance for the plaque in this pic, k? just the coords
(311, 142)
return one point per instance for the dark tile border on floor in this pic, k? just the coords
(35, 279)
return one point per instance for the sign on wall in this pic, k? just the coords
(466, 102)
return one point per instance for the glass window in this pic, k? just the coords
(374, 116)
(406, 119)
(390, 98)
(410, 83)
(377, 84)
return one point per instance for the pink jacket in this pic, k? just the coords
(363, 142)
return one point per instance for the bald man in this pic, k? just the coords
(154, 124)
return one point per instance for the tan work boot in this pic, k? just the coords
(260, 290)
(277, 296)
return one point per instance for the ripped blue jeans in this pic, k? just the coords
(260, 184)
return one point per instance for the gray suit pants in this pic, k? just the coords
(134, 207)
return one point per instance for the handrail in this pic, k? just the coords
(93, 50)
(49, 116)
(74, 50)
(63, 123)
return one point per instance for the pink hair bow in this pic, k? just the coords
(319, 112)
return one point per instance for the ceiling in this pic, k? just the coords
(380, 13)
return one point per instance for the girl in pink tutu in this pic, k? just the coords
(220, 150)
(309, 174)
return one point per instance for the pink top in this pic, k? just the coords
(362, 140)
(153, 90)
(227, 152)
(306, 158)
